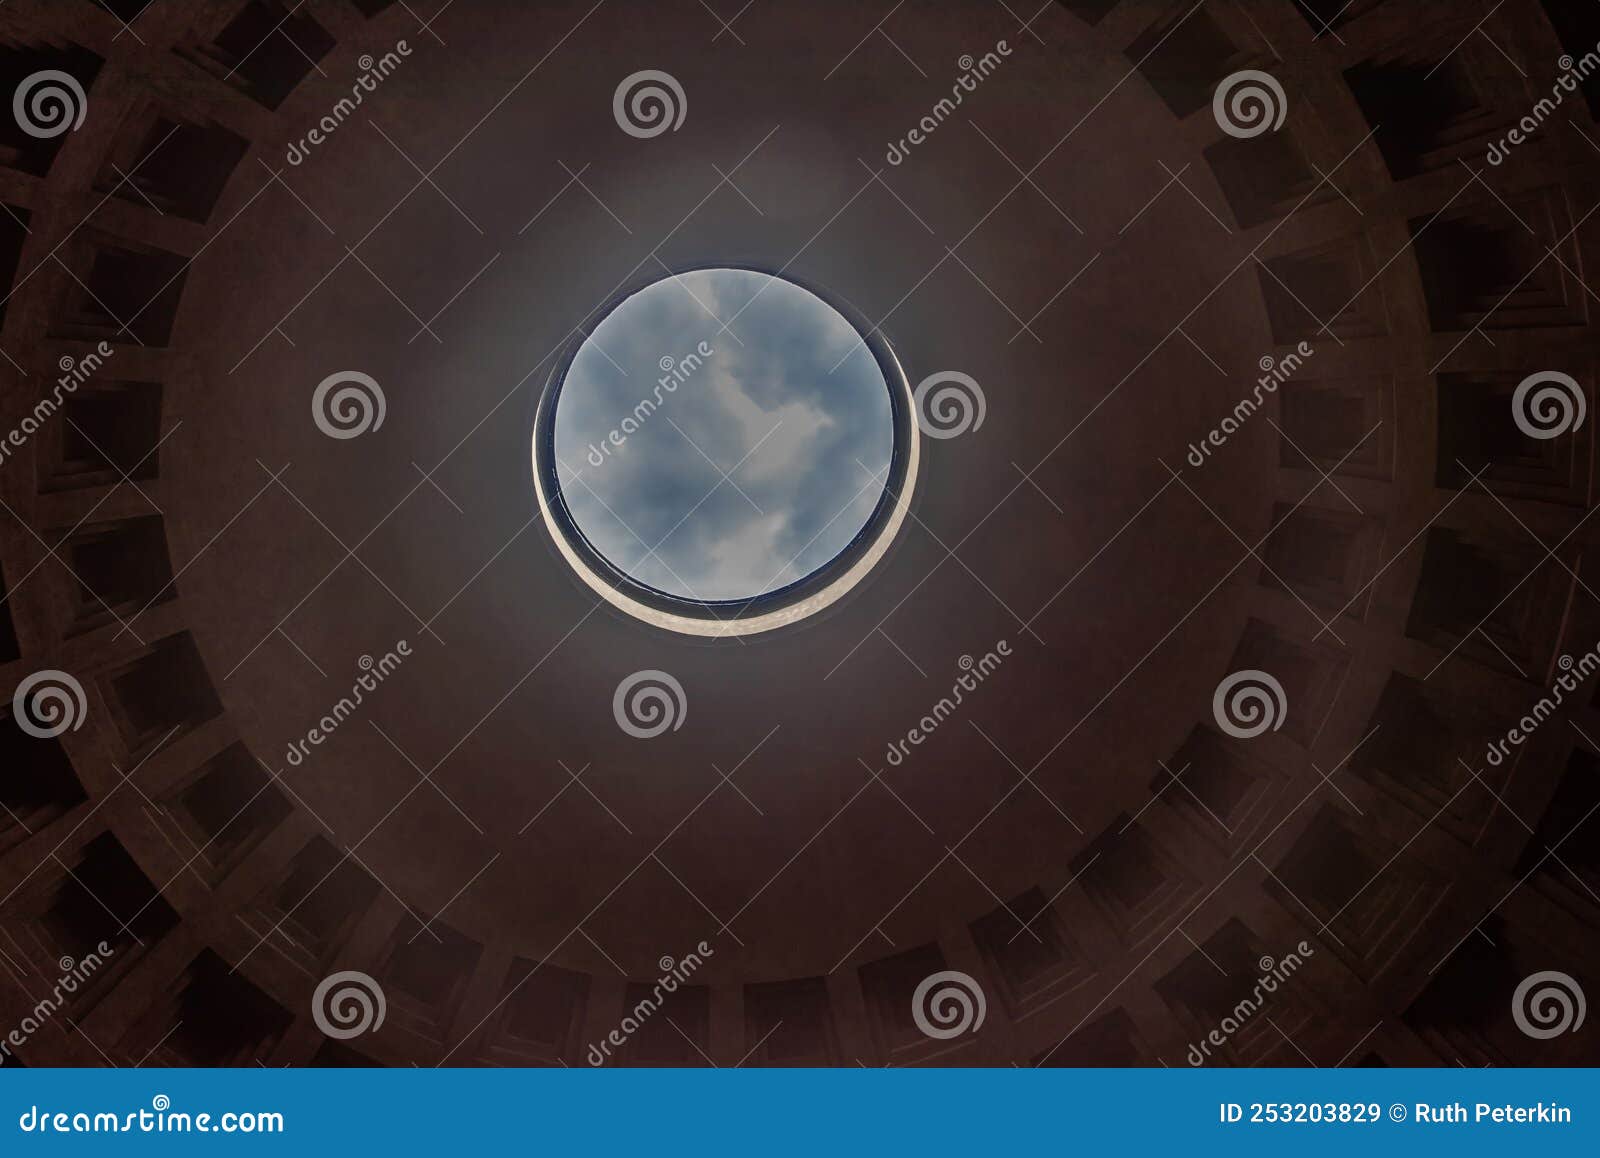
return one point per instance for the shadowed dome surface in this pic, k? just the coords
(1085, 837)
(722, 460)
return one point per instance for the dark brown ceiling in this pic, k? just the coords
(1081, 238)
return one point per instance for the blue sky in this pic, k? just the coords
(806, 445)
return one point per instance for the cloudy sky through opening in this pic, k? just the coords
(805, 446)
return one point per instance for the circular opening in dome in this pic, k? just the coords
(724, 452)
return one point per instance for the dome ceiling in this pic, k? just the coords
(1232, 548)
